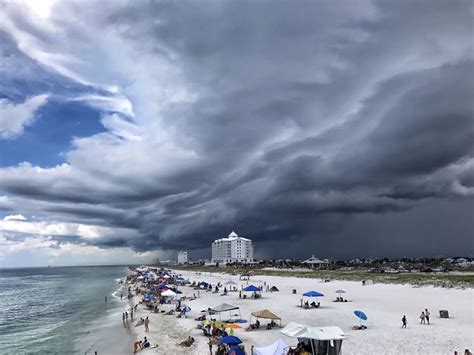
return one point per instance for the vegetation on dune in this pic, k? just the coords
(453, 279)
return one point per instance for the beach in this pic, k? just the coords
(384, 305)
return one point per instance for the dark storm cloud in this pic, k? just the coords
(311, 126)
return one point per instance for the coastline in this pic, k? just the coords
(164, 330)
(384, 303)
(107, 334)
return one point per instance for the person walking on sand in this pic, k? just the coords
(210, 343)
(422, 318)
(147, 321)
(105, 299)
(427, 316)
(404, 321)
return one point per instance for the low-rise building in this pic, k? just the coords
(315, 262)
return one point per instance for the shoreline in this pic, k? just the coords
(164, 330)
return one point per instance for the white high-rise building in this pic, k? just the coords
(232, 249)
(182, 257)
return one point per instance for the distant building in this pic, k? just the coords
(315, 262)
(232, 249)
(182, 257)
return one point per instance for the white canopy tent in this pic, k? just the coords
(323, 340)
(277, 348)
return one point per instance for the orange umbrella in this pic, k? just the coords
(233, 326)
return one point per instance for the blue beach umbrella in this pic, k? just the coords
(360, 315)
(230, 340)
(252, 288)
(312, 294)
(235, 350)
(340, 291)
(186, 309)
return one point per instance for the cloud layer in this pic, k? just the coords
(309, 126)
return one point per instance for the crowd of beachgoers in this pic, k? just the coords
(215, 313)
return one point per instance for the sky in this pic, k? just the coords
(133, 129)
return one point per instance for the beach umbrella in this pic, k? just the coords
(233, 326)
(340, 291)
(236, 350)
(168, 293)
(252, 288)
(360, 315)
(312, 294)
(230, 340)
(230, 282)
(186, 309)
(218, 324)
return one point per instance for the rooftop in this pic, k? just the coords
(232, 236)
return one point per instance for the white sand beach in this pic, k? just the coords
(384, 304)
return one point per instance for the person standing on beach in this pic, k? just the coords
(210, 343)
(147, 321)
(131, 314)
(422, 318)
(105, 299)
(427, 316)
(404, 322)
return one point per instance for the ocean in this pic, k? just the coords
(62, 310)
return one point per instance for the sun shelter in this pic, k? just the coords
(265, 314)
(277, 348)
(168, 293)
(313, 294)
(254, 289)
(236, 350)
(225, 307)
(274, 289)
(318, 340)
(230, 340)
(361, 315)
